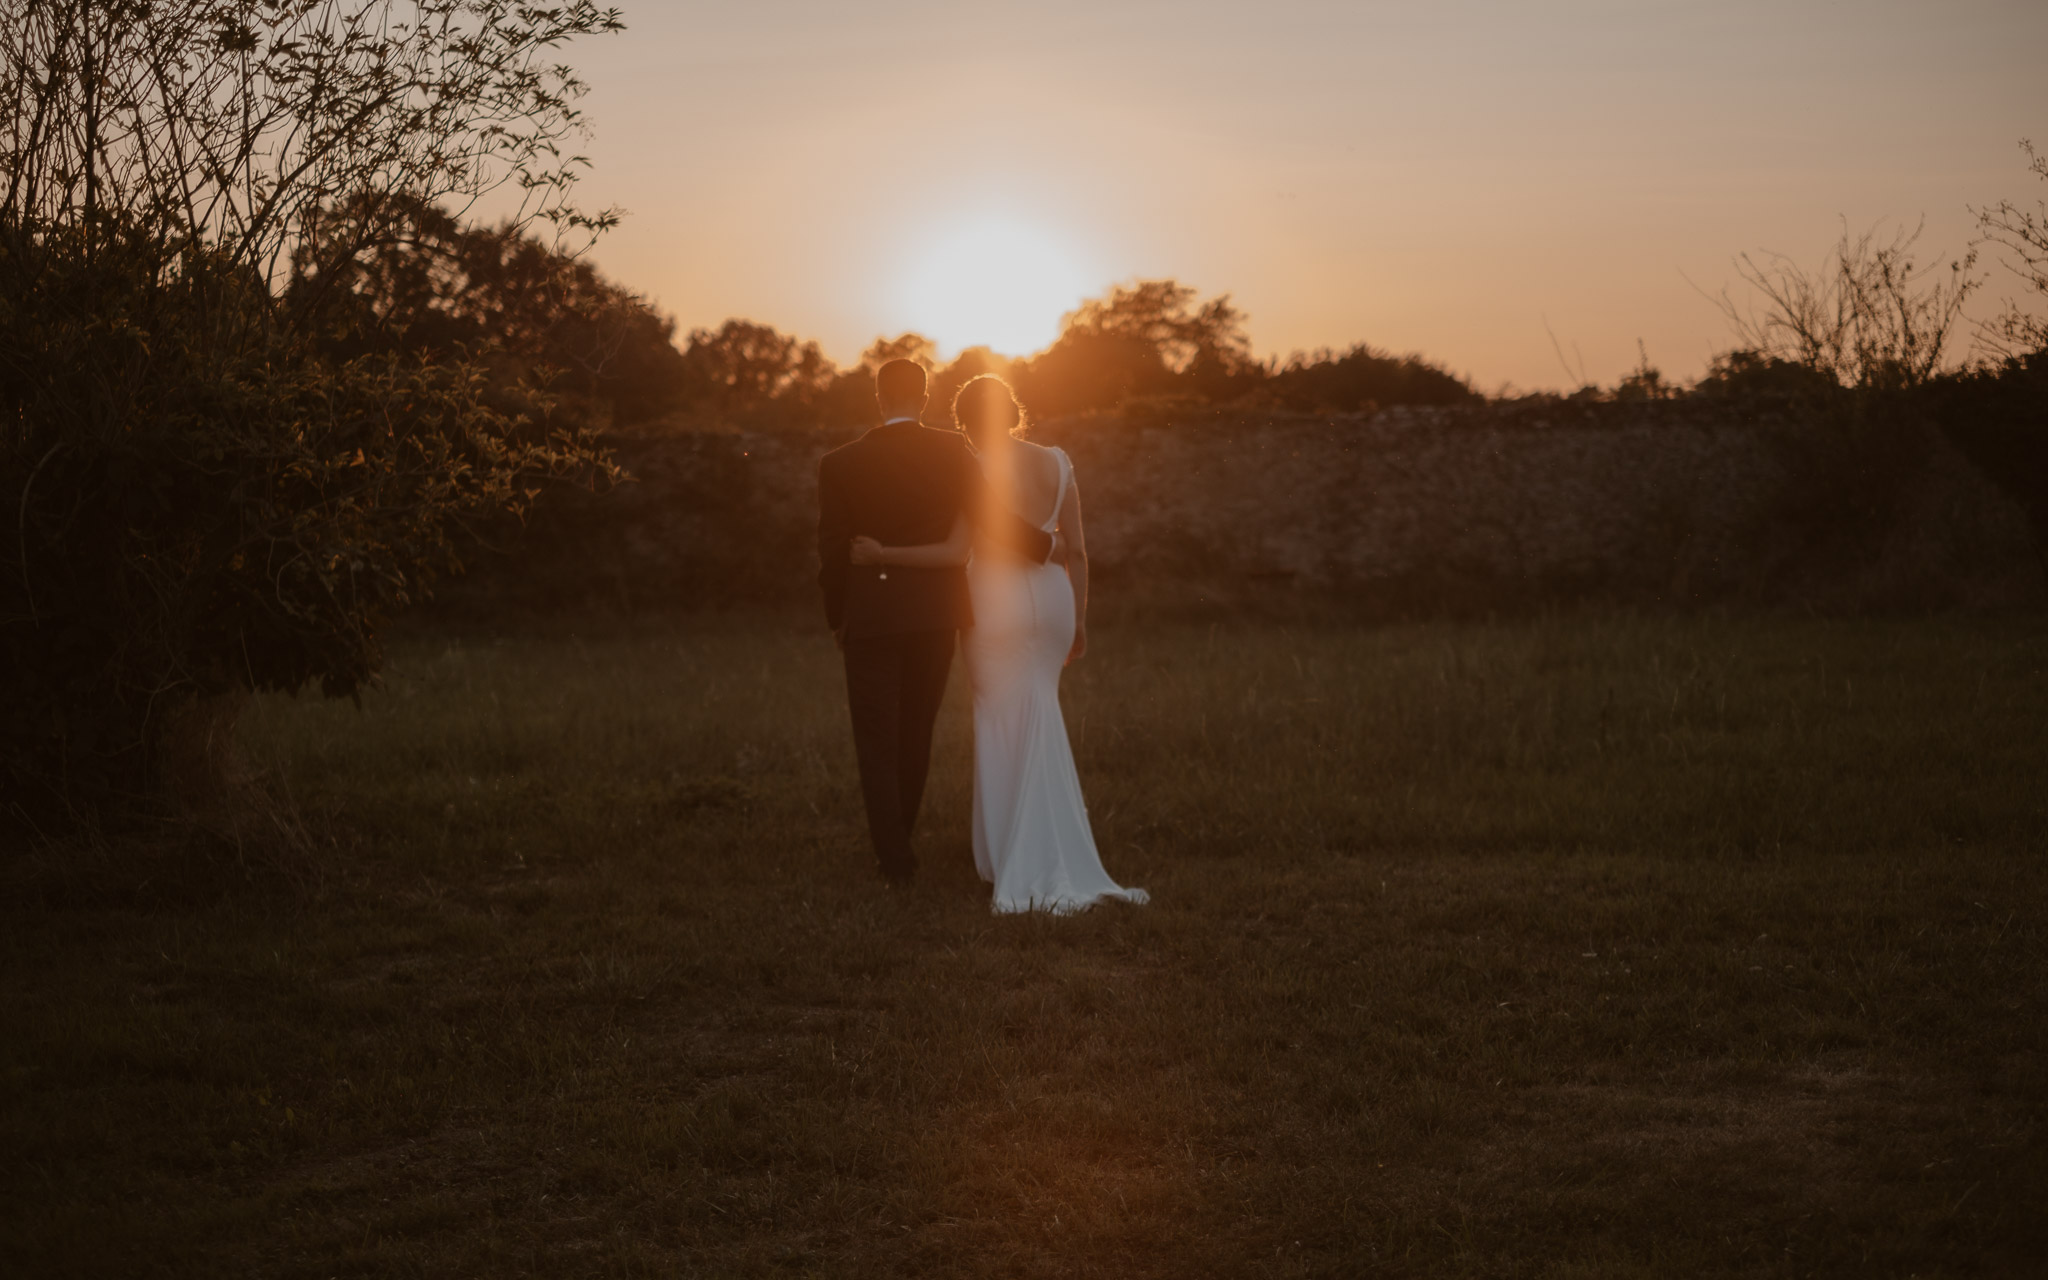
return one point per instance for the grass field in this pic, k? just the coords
(1570, 948)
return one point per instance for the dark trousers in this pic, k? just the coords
(894, 685)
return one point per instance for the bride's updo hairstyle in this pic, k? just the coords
(986, 408)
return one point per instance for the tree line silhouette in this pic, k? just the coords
(552, 319)
(1860, 350)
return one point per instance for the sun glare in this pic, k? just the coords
(997, 282)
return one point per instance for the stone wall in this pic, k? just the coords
(1657, 503)
(1492, 507)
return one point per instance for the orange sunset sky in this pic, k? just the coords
(1442, 178)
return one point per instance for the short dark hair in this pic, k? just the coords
(900, 382)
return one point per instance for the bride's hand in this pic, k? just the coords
(865, 550)
(1080, 648)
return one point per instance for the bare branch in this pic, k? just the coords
(2019, 237)
(1867, 317)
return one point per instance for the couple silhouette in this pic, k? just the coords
(930, 539)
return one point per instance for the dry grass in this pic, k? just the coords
(1571, 948)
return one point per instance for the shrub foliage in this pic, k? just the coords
(212, 490)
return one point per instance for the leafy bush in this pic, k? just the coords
(202, 509)
(1364, 378)
(210, 496)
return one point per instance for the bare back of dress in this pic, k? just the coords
(1032, 840)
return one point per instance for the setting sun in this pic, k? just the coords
(999, 282)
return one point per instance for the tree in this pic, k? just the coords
(2020, 236)
(208, 498)
(848, 396)
(751, 371)
(1867, 318)
(914, 347)
(1141, 339)
(1997, 412)
(538, 315)
(970, 364)
(1162, 315)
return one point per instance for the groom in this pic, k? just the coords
(902, 484)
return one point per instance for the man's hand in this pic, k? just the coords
(865, 550)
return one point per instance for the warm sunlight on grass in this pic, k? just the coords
(995, 281)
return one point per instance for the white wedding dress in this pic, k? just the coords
(1031, 836)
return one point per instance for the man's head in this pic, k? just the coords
(900, 389)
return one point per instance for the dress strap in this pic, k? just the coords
(1059, 500)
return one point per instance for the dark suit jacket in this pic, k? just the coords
(903, 484)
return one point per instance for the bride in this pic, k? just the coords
(1031, 836)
